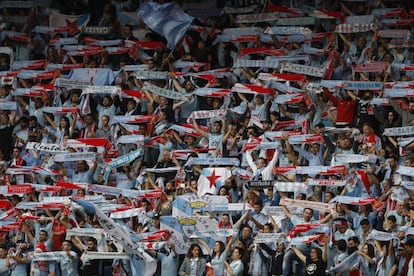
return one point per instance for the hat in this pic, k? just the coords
(341, 223)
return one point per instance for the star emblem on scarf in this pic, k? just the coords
(72, 26)
(212, 178)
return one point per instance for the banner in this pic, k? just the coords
(304, 69)
(211, 179)
(269, 237)
(207, 114)
(376, 235)
(74, 156)
(257, 17)
(268, 63)
(322, 207)
(224, 161)
(183, 228)
(405, 170)
(71, 84)
(362, 85)
(121, 161)
(351, 158)
(118, 234)
(354, 28)
(305, 138)
(251, 89)
(72, 23)
(325, 182)
(344, 266)
(371, 67)
(150, 75)
(288, 30)
(358, 201)
(8, 105)
(170, 94)
(296, 21)
(399, 131)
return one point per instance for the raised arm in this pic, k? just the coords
(198, 129)
(299, 254)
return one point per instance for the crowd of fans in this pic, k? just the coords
(311, 121)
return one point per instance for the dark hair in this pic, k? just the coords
(241, 251)
(341, 244)
(308, 209)
(190, 254)
(222, 248)
(92, 239)
(392, 218)
(69, 242)
(410, 242)
(364, 221)
(318, 252)
(371, 250)
(354, 238)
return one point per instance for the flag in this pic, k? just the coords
(118, 233)
(168, 20)
(211, 179)
(72, 23)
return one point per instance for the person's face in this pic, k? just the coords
(246, 232)
(216, 247)
(411, 107)
(266, 229)
(328, 197)
(3, 92)
(365, 228)
(16, 153)
(3, 253)
(236, 254)
(38, 103)
(216, 104)
(66, 246)
(225, 220)
(257, 208)
(91, 246)
(314, 148)
(342, 229)
(280, 247)
(4, 119)
(88, 120)
(81, 166)
(188, 86)
(223, 192)
(351, 244)
(163, 101)
(196, 251)
(390, 116)
(313, 255)
(169, 186)
(307, 215)
(216, 127)
(365, 249)
(42, 236)
(106, 101)
(130, 105)
(63, 123)
(260, 163)
(75, 98)
(367, 130)
(104, 120)
(361, 42)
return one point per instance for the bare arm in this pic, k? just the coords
(299, 254)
